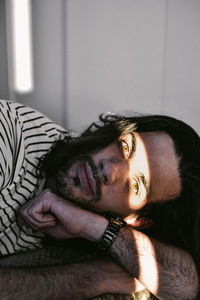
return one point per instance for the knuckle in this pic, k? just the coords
(46, 195)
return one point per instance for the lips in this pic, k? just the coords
(87, 180)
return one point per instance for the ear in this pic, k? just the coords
(138, 223)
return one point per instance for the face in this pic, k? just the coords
(123, 177)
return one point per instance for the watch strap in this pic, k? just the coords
(111, 232)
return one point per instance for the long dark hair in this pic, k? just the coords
(97, 136)
(176, 221)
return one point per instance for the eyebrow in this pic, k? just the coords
(144, 181)
(133, 146)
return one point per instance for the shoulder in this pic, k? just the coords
(31, 120)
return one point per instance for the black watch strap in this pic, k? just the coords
(111, 232)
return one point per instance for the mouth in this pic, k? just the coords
(87, 181)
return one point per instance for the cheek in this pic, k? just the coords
(65, 187)
(125, 200)
(137, 203)
(116, 201)
(137, 200)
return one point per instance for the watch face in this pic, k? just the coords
(118, 221)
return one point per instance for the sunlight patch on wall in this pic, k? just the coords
(22, 45)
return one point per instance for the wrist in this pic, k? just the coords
(103, 231)
(94, 227)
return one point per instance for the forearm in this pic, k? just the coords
(168, 272)
(75, 281)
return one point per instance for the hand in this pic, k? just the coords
(53, 215)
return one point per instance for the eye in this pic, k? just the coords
(125, 148)
(135, 186)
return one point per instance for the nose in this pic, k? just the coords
(109, 171)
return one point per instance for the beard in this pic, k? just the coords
(69, 151)
(68, 182)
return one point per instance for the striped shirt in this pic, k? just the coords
(25, 136)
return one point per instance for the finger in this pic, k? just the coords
(43, 217)
(29, 221)
(22, 222)
(37, 216)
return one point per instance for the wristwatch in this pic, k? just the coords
(111, 232)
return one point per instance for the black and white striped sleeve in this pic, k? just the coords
(11, 144)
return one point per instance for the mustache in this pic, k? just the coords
(95, 173)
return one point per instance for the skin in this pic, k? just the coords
(130, 177)
(66, 282)
(167, 272)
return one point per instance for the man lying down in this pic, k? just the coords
(130, 185)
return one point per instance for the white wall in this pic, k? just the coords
(182, 72)
(3, 53)
(92, 56)
(140, 55)
(48, 60)
(114, 57)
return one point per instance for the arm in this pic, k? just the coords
(75, 281)
(167, 272)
